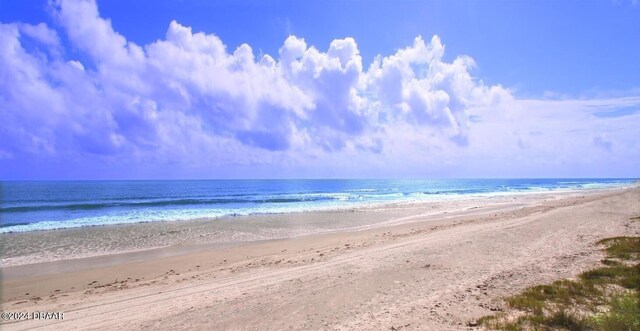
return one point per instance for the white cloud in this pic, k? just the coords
(188, 99)
(41, 33)
(417, 85)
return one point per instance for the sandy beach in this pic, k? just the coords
(319, 165)
(436, 266)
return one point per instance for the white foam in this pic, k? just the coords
(336, 201)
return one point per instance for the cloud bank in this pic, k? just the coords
(188, 99)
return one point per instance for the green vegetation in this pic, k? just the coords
(606, 298)
(624, 314)
(626, 248)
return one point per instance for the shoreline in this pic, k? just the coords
(439, 272)
(19, 228)
(132, 238)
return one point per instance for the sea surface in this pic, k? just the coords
(47, 205)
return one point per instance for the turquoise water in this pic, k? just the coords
(47, 205)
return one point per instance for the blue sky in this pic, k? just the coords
(201, 89)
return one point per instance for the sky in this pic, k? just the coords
(175, 89)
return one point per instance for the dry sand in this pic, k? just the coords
(420, 268)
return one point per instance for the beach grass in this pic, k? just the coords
(605, 298)
(622, 247)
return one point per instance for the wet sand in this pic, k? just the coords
(440, 265)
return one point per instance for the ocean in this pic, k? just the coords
(47, 205)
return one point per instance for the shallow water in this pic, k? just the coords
(46, 205)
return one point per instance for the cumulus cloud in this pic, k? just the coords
(188, 98)
(125, 99)
(42, 33)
